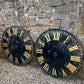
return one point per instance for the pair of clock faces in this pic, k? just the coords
(57, 51)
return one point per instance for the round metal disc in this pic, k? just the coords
(17, 45)
(59, 53)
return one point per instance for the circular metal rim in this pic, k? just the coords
(72, 75)
(32, 46)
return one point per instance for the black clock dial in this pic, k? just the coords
(17, 45)
(59, 53)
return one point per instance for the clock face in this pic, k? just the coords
(17, 45)
(59, 53)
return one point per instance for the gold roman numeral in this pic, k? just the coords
(47, 37)
(9, 33)
(6, 52)
(21, 33)
(66, 40)
(26, 39)
(27, 55)
(64, 74)
(5, 38)
(56, 35)
(41, 43)
(54, 72)
(16, 60)
(40, 60)
(22, 59)
(14, 31)
(46, 67)
(71, 67)
(73, 48)
(75, 58)
(40, 51)
(11, 57)
(28, 47)
(5, 45)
